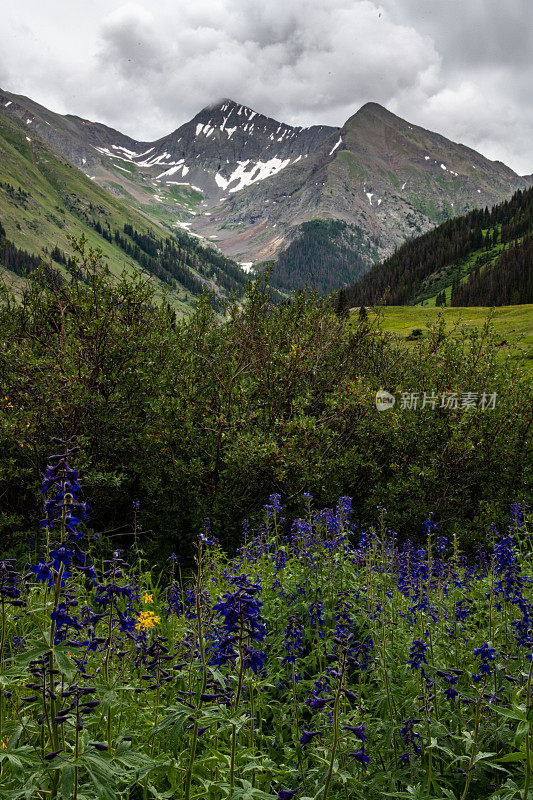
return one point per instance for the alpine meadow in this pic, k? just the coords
(265, 401)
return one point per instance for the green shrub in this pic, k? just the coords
(203, 417)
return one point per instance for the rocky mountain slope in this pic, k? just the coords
(44, 200)
(224, 148)
(247, 183)
(386, 178)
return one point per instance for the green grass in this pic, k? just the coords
(512, 324)
(349, 161)
(184, 195)
(61, 198)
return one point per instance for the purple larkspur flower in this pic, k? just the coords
(360, 755)
(286, 794)
(308, 736)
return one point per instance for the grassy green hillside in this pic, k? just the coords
(513, 325)
(44, 200)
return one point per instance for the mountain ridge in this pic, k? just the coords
(247, 183)
(45, 200)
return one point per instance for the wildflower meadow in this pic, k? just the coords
(319, 662)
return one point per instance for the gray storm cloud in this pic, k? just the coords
(461, 68)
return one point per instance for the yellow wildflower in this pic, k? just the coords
(4, 741)
(147, 619)
(148, 598)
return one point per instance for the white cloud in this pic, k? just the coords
(145, 68)
(301, 61)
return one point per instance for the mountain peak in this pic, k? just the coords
(374, 108)
(373, 116)
(373, 111)
(227, 107)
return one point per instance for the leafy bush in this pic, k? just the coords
(205, 417)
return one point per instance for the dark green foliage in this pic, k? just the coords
(12, 258)
(323, 257)
(416, 333)
(508, 282)
(164, 263)
(180, 258)
(499, 239)
(199, 417)
(19, 195)
(341, 306)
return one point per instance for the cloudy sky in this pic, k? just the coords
(459, 67)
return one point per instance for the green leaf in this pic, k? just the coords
(30, 655)
(64, 664)
(483, 757)
(510, 714)
(66, 784)
(511, 758)
(178, 718)
(101, 774)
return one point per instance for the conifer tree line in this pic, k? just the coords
(171, 259)
(501, 238)
(323, 257)
(12, 258)
(510, 282)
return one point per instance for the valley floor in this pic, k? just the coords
(514, 324)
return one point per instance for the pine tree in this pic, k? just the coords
(342, 305)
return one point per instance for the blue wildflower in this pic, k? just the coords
(9, 580)
(357, 730)
(61, 556)
(485, 654)
(42, 572)
(63, 619)
(316, 616)
(360, 756)
(241, 614)
(308, 736)
(417, 653)
(286, 794)
(294, 633)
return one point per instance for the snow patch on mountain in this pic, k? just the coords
(335, 146)
(179, 165)
(245, 177)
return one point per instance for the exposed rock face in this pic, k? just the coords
(228, 146)
(225, 148)
(256, 180)
(390, 179)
